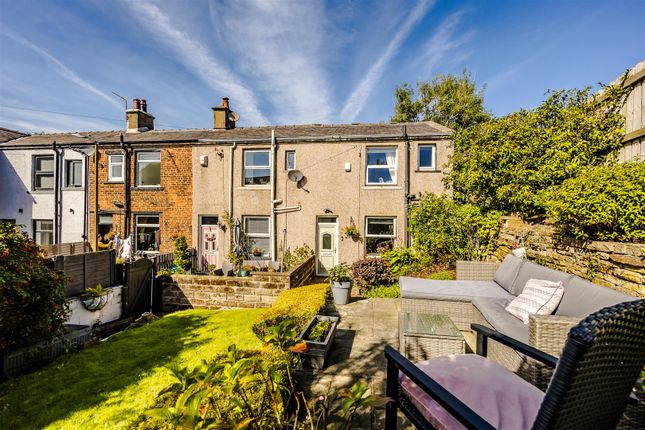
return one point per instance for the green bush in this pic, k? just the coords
(388, 292)
(370, 273)
(401, 260)
(443, 275)
(299, 255)
(445, 231)
(299, 304)
(182, 255)
(33, 305)
(603, 203)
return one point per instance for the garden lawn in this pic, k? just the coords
(108, 385)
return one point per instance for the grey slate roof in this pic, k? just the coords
(6, 134)
(291, 132)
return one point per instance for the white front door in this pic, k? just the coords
(326, 245)
(210, 255)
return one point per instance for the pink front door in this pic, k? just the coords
(210, 255)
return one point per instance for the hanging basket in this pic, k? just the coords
(95, 303)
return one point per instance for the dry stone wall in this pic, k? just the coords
(259, 290)
(616, 265)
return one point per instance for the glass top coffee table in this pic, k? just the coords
(424, 336)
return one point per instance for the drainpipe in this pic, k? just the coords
(56, 192)
(86, 200)
(126, 187)
(272, 230)
(230, 180)
(406, 203)
(96, 196)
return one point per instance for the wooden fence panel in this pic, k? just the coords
(71, 248)
(138, 290)
(87, 270)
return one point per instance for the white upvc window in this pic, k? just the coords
(115, 168)
(380, 232)
(258, 237)
(148, 168)
(73, 173)
(290, 160)
(381, 166)
(257, 167)
(427, 157)
(44, 231)
(148, 233)
(43, 172)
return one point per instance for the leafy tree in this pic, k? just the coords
(450, 100)
(508, 163)
(182, 255)
(33, 305)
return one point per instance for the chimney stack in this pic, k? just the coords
(223, 117)
(138, 118)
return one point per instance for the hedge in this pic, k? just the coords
(299, 304)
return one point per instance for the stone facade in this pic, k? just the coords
(616, 265)
(259, 290)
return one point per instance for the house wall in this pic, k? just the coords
(172, 200)
(18, 200)
(326, 190)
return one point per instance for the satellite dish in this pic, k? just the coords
(233, 116)
(295, 175)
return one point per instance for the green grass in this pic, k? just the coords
(108, 385)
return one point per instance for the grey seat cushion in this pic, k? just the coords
(507, 271)
(582, 298)
(493, 309)
(461, 291)
(530, 270)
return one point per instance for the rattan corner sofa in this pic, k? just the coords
(482, 291)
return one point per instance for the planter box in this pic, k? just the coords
(317, 351)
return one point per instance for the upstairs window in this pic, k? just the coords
(43, 172)
(290, 160)
(381, 166)
(379, 234)
(148, 168)
(256, 230)
(115, 168)
(73, 174)
(257, 167)
(427, 158)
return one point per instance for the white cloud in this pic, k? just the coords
(443, 42)
(33, 121)
(283, 48)
(198, 58)
(358, 97)
(63, 70)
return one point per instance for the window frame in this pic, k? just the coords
(286, 160)
(245, 167)
(392, 237)
(434, 157)
(383, 166)
(245, 218)
(111, 163)
(137, 225)
(35, 173)
(36, 231)
(136, 167)
(68, 163)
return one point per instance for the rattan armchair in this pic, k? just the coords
(590, 388)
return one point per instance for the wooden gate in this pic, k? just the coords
(137, 298)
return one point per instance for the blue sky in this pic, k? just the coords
(294, 62)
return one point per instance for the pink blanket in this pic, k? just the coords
(499, 396)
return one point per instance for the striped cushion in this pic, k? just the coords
(539, 297)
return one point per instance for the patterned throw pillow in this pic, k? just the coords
(539, 297)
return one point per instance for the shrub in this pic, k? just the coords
(401, 260)
(299, 304)
(603, 203)
(182, 255)
(340, 273)
(369, 273)
(445, 231)
(299, 255)
(443, 275)
(389, 292)
(32, 298)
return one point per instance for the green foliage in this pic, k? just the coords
(298, 304)
(388, 292)
(602, 203)
(319, 331)
(401, 260)
(443, 275)
(509, 163)
(450, 100)
(32, 299)
(370, 273)
(298, 256)
(351, 230)
(182, 255)
(445, 231)
(340, 273)
(164, 273)
(94, 292)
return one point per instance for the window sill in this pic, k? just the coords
(42, 191)
(427, 171)
(151, 188)
(381, 187)
(73, 189)
(112, 182)
(255, 187)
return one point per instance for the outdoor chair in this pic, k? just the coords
(590, 388)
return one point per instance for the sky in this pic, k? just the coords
(295, 62)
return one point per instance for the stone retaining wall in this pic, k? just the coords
(259, 290)
(613, 264)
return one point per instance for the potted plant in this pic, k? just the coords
(94, 298)
(341, 283)
(318, 335)
(351, 230)
(245, 270)
(257, 252)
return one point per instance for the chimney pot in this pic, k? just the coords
(225, 102)
(144, 105)
(137, 103)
